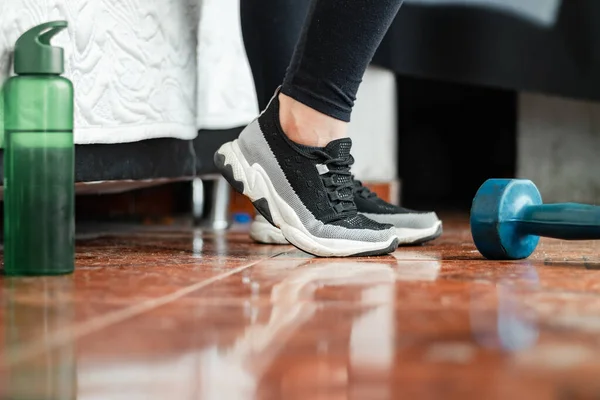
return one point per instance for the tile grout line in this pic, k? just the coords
(111, 318)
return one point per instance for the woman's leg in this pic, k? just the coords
(270, 38)
(294, 161)
(336, 46)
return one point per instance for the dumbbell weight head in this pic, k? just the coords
(498, 204)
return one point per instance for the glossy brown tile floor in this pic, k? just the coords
(181, 314)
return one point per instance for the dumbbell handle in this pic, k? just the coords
(569, 221)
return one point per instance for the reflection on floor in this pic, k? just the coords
(182, 314)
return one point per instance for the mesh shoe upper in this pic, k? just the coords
(314, 183)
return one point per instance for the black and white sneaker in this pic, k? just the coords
(412, 227)
(306, 192)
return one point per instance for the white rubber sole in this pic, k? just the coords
(415, 236)
(257, 185)
(262, 231)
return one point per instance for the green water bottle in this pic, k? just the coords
(39, 216)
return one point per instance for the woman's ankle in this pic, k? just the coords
(306, 126)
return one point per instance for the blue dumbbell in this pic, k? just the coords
(508, 218)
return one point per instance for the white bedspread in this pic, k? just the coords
(226, 95)
(133, 63)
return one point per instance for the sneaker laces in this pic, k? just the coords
(338, 181)
(361, 190)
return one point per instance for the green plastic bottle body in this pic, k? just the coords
(39, 163)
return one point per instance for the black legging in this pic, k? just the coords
(327, 56)
(271, 29)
